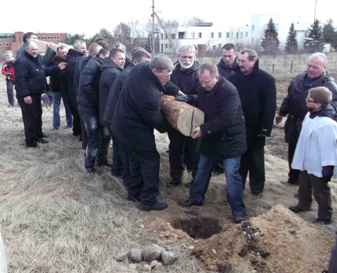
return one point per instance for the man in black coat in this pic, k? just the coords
(58, 86)
(139, 55)
(222, 137)
(137, 114)
(111, 69)
(258, 98)
(30, 83)
(182, 149)
(88, 108)
(294, 105)
(73, 58)
(228, 65)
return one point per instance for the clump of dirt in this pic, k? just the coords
(276, 242)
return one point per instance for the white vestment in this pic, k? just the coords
(316, 146)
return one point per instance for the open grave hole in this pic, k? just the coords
(198, 227)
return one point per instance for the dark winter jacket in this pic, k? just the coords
(88, 97)
(110, 73)
(294, 103)
(31, 75)
(137, 112)
(114, 94)
(73, 58)
(185, 80)
(258, 99)
(226, 71)
(223, 133)
(58, 81)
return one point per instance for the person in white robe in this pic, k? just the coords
(316, 154)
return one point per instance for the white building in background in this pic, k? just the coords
(213, 36)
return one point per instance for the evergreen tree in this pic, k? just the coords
(330, 34)
(291, 45)
(314, 41)
(270, 42)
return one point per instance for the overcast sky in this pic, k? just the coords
(88, 17)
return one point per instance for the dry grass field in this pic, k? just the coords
(54, 218)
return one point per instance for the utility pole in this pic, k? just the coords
(153, 29)
(315, 10)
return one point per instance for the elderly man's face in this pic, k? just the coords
(62, 52)
(246, 65)
(119, 59)
(315, 68)
(228, 56)
(186, 59)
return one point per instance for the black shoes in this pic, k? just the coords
(90, 170)
(158, 205)
(322, 221)
(42, 140)
(239, 218)
(297, 209)
(189, 203)
(31, 145)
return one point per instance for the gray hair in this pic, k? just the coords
(211, 68)
(161, 62)
(78, 44)
(185, 48)
(319, 55)
(94, 49)
(252, 54)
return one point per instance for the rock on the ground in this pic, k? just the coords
(168, 257)
(135, 255)
(152, 252)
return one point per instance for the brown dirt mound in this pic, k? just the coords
(276, 242)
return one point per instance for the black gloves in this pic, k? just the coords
(327, 172)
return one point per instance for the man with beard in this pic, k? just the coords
(182, 149)
(111, 69)
(30, 83)
(137, 114)
(258, 97)
(228, 65)
(88, 107)
(73, 57)
(294, 106)
(316, 154)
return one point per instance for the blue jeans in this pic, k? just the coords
(234, 183)
(56, 111)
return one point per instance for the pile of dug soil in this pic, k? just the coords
(276, 242)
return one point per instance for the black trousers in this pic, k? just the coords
(333, 260)
(32, 118)
(292, 132)
(143, 181)
(10, 92)
(252, 162)
(117, 157)
(309, 185)
(182, 152)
